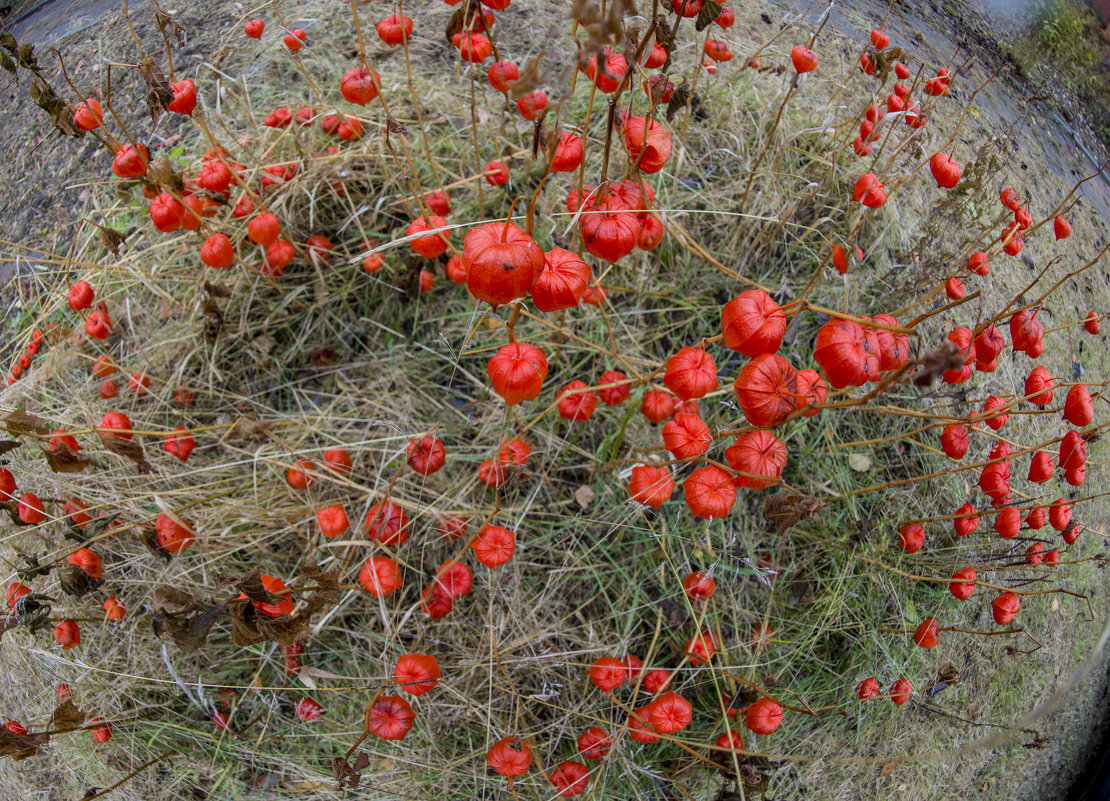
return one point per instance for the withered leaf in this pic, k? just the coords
(244, 623)
(66, 717)
(74, 581)
(660, 88)
(111, 238)
(328, 582)
(191, 634)
(530, 79)
(173, 601)
(246, 428)
(33, 568)
(786, 510)
(148, 538)
(346, 774)
(128, 448)
(7, 63)
(8, 445)
(63, 459)
(937, 362)
(170, 25)
(468, 17)
(217, 290)
(251, 586)
(20, 423)
(708, 14)
(158, 92)
(7, 41)
(284, 629)
(678, 99)
(393, 126)
(161, 171)
(21, 746)
(27, 57)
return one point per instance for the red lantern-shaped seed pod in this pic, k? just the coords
(502, 73)
(894, 347)
(390, 717)
(946, 172)
(686, 436)
(612, 396)
(1073, 451)
(574, 404)
(431, 245)
(901, 691)
(657, 405)
(1040, 467)
(869, 191)
(394, 29)
(531, 105)
(30, 509)
(868, 688)
(966, 520)
(609, 228)
(767, 389)
(803, 59)
(811, 391)
(841, 352)
(648, 143)
(717, 50)
(1034, 553)
(130, 161)
(608, 673)
(995, 481)
(954, 441)
(360, 85)
(473, 47)
(561, 282)
(758, 453)
(502, 262)
(954, 288)
(15, 592)
(308, 710)
(1092, 323)
(1036, 518)
(963, 583)
(763, 717)
(1008, 523)
(1078, 408)
(751, 323)
(1038, 387)
(172, 536)
(639, 729)
(494, 545)
(332, 521)
(650, 485)
(165, 212)
(698, 586)
(701, 647)
(594, 743)
(611, 72)
(911, 537)
(992, 418)
(517, 372)
(387, 523)
(568, 153)
(927, 634)
(510, 757)
(872, 352)
(710, 492)
(669, 712)
(1005, 607)
(380, 576)
(88, 561)
(989, 344)
(454, 579)
(416, 674)
(67, 634)
(570, 778)
(691, 373)
(1059, 514)
(426, 455)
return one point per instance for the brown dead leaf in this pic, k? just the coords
(159, 94)
(8, 445)
(63, 459)
(530, 79)
(191, 634)
(888, 769)
(328, 583)
(20, 423)
(129, 448)
(21, 746)
(936, 363)
(74, 581)
(170, 25)
(584, 496)
(346, 774)
(173, 601)
(786, 510)
(66, 717)
(246, 428)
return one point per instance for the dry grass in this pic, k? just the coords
(593, 574)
